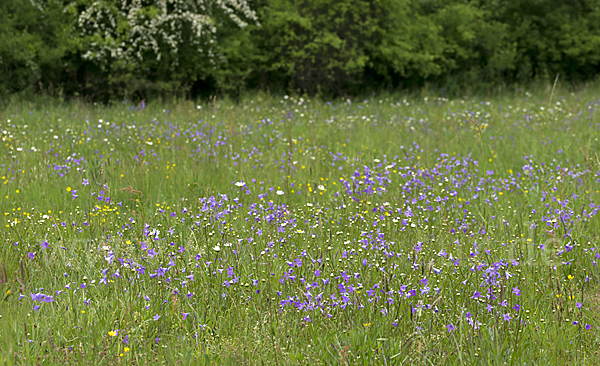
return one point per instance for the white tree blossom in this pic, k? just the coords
(131, 30)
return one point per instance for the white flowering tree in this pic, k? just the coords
(157, 35)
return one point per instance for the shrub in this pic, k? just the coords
(115, 49)
(34, 39)
(154, 46)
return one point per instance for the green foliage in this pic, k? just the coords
(408, 44)
(239, 60)
(318, 44)
(476, 48)
(33, 46)
(105, 50)
(553, 36)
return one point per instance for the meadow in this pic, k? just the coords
(285, 230)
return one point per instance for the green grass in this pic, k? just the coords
(345, 209)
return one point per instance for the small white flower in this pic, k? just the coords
(321, 187)
(217, 248)
(280, 192)
(309, 204)
(240, 184)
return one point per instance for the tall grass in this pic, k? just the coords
(388, 230)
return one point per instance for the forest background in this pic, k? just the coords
(110, 50)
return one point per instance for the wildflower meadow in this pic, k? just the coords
(288, 230)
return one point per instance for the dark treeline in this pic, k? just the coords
(327, 47)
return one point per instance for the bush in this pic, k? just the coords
(34, 41)
(114, 49)
(553, 36)
(150, 47)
